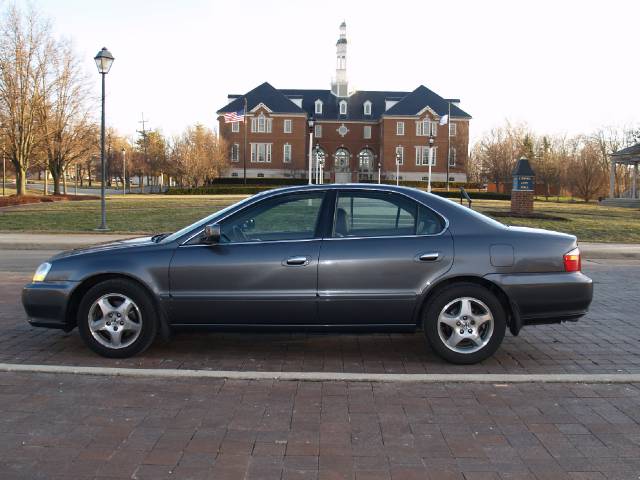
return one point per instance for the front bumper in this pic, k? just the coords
(46, 303)
(538, 298)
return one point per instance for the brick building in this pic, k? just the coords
(354, 133)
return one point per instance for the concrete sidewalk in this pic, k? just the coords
(56, 241)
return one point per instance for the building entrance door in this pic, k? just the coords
(365, 165)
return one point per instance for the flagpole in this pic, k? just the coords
(246, 127)
(448, 140)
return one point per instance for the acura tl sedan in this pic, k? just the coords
(334, 257)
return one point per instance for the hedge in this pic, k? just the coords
(253, 189)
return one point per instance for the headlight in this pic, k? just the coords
(41, 272)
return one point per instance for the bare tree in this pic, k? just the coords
(588, 176)
(200, 155)
(68, 133)
(24, 49)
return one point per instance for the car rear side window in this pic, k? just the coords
(373, 214)
(287, 217)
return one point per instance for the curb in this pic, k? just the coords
(325, 376)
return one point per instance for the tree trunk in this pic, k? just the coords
(64, 182)
(56, 182)
(21, 181)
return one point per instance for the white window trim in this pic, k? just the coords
(453, 155)
(343, 107)
(235, 127)
(317, 110)
(423, 151)
(426, 128)
(285, 147)
(261, 124)
(366, 132)
(367, 107)
(235, 147)
(317, 131)
(254, 153)
(399, 128)
(289, 122)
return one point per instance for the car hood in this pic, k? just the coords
(104, 247)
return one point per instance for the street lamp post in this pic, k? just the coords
(103, 60)
(431, 140)
(4, 172)
(124, 171)
(397, 168)
(318, 167)
(310, 149)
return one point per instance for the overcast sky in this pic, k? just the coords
(561, 65)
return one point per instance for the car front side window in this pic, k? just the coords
(288, 217)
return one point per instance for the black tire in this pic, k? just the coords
(451, 294)
(148, 321)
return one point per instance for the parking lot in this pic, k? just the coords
(68, 426)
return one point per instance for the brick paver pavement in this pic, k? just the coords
(77, 427)
(605, 341)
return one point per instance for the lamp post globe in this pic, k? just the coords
(103, 60)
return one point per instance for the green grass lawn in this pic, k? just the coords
(165, 213)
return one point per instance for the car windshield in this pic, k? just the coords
(201, 223)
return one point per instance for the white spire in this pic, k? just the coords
(340, 85)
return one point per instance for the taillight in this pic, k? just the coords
(572, 261)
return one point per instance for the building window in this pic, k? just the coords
(317, 131)
(367, 107)
(426, 128)
(452, 157)
(399, 128)
(423, 153)
(343, 107)
(235, 127)
(261, 152)
(261, 124)
(318, 109)
(287, 126)
(367, 131)
(399, 155)
(235, 152)
(286, 155)
(453, 129)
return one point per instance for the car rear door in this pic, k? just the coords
(383, 251)
(264, 270)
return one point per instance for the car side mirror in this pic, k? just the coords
(212, 233)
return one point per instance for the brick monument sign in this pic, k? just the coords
(523, 190)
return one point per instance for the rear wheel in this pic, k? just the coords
(465, 323)
(117, 319)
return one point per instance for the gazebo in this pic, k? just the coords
(626, 156)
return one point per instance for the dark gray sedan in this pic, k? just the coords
(339, 257)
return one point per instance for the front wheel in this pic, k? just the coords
(465, 323)
(117, 319)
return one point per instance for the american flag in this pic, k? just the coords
(234, 116)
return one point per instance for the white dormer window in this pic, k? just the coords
(367, 107)
(318, 107)
(343, 107)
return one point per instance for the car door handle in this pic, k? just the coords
(429, 257)
(297, 261)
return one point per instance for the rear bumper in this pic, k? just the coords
(46, 303)
(538, 298)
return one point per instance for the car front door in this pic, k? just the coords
(263, 271)
(384, 249)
